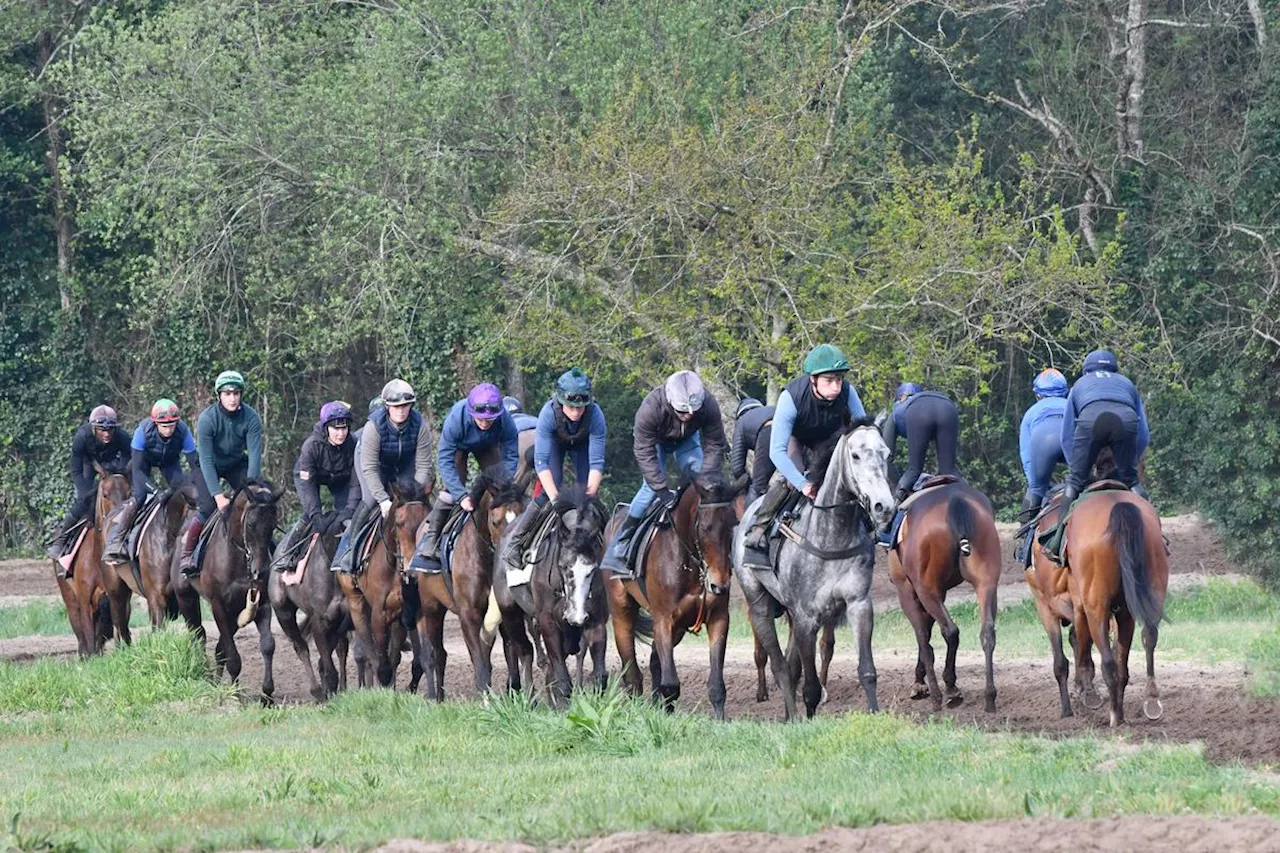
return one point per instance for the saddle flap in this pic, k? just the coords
(543, 538)
(364, 541)
(449, 534)
(142, 522)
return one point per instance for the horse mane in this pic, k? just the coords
(260, 491)
(115, 467)
(505, 489)
(717, 489)
(823, 452)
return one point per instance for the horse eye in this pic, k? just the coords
(857, 458)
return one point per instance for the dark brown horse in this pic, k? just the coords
(83, 592)
(948, 536)
(114, 489)
(323, 605)
(498, 501)
(1118, 566)
(375, 597)
(233, 578)
(156, 544)
(685, 575)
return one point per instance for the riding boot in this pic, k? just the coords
(120, 522)
(615, 560)
(1030, 508)
(188, 563)
(757, 538)
(58, 546)
(513, 551)
(1052, 544)
(426, 556)
(344, 557)
(285, 558)
(1141, 491)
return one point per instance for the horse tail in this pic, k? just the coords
(1128, 536)
(171, 606)
(961, 523)
(644, 624)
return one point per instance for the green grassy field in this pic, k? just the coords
(137, 750)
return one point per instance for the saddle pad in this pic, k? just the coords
(365, 539)
(142, 523)
(1106, 486)
(67, 559)
(915, 496)
(449, 537)
(218, 518)
(294, 576)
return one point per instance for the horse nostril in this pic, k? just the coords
(879, 508)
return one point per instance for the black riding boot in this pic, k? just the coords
(1030, 508)
(615, 560)
(346, 559)
(286, 556)
(115, 549)
(1053, 547)
(757, 538)
(426, 556)
(58, 546)
(517, 538)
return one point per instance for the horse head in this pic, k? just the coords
(498, 501)
(716, 516)
(407, 515)
(581, 533)
(861, 459)
(254, 515)
(113, 490)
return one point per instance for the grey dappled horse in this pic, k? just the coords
(819, 588)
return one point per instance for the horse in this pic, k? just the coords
(156, 545)
(83, 592)
(682, 580)
(826, 650)
(375, 597)
(565, 595)
(824, 572)
(237, 553)
(947, 536)
(498, 500)
(1117, 565)
(114, 489)
(324, 609)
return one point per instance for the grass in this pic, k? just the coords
(49, 619)
(1211, 624)
(372, 765)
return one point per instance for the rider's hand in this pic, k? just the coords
(810, 491)
(466, 504)
(222, 501)
(385, 506)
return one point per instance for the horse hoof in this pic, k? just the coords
(1146, 709)
(955, 700)
(920, 692)
(1092, 701)
(823, 700)
(762, 695)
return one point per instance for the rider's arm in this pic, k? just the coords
(370, 450)
(738, 450)
(784, 421)
(543, 439)
(446, 462)
(713, 439)
(645, 444)
(510, 441)
(253, 440)
(423, 474)
(1024, 444)
(204, 438)
(1069, 426)
(1144, 429)
(188, 447)
(595, 444)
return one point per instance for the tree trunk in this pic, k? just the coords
(64, 225)
(1133, 82)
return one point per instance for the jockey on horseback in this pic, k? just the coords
(160, 441)
(229, 438)
(922, 417)
(328, 458)
(395, 447)
(678, 418)
(1103, 409)
(752, 427)
(100, 440)
(478, 426)
(524, 422)
(1040, 446)
(814, 407)
(569, 424)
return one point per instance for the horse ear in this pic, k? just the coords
(740, 484)
(102, 472)
(703, 491)
(881, 417)
(277, 493)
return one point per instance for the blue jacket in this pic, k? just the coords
(460, 434)
(524, 422)
(547, 439)
(162, 452)
(1097, 387)
(784, 421)
(1047, 411)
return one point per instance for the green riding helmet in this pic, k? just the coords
(228, 379)
(825, 358)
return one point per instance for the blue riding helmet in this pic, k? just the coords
(906, 389)
(1100, 359)
(1050, 383)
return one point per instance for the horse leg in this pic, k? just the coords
(933, 604)
(762, 659)
(418, 667)
(119, 598)
(225, 655)
(718, 639)
(267, 646)
(380, 637)
(599, 645)
(472, 620)
(1124, 641)
(926, 683)
(1099, 626)
(360, 621)
(322, 632)
(342, 646)
(827, 650)
(1053, 627)
(558, 684)
(766, 634)
(1082, 640)
(988, 636)
(624, 638)
(431, 635)
(287, 616)
(862, 621)
(1152, 707)
(806, 638)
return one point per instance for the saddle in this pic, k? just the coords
(142, 521)
(1052, 541)
(538, 548)
(657, 517)
(68, 557)
(363, 541)
(449, 534)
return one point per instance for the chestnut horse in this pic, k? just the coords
(683, 581)
(83, 592)
(948, 536)
(156, 545)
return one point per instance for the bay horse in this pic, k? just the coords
(947, 536)
(375, 597)
(824, 572)
(156, 544)
(498, 500)
(565, 596)
(114, 488)
(324, 608)
(1117, 566)
(682, 580)
(83, 592)
(233, 576)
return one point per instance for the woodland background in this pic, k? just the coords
(324, 195)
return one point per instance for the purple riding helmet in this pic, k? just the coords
(485, 402)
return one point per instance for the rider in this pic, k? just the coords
(395, 447)
(1103, 409)
(1040, 445)
(752, 427)
(160, 441)
(100, 440)
(677, 419)
(515, 408)
(814, 407)
(922, 417)
(479, 426)
(328, 458)
(569, 424)
(229, 438)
